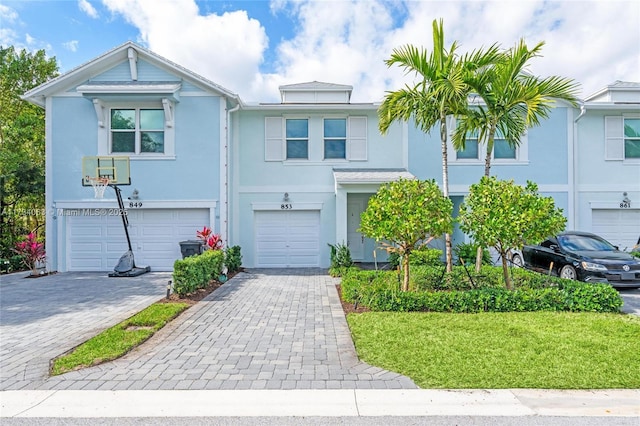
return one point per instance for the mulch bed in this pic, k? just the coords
(350, 308)
(193, 298)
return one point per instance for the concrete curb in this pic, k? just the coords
(332, 403)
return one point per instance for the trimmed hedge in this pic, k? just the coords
(379, 291)
(194, 272)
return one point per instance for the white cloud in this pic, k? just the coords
(71, 45)
(227, 48)
(346, 41)
(87, 8)
(7, 14)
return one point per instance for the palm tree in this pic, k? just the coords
(441, 90)
(512, 100)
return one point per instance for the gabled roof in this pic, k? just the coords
(86, 71)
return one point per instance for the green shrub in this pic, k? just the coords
(340, 259)
(441, 292)
(468, 252)
(635, 254)
(233, 258)
(425, 256)
(194, 272)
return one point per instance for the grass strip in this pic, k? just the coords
(548, 350)
(119, 339)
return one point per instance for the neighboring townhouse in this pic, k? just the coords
(169, 122)
(607, 164)
(302, 171)
(543, 156)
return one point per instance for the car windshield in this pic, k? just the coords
(584, 243)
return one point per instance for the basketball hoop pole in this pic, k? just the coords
(123, 215)
(126, 266)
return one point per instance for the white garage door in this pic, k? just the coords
(96, 239)
(287, 239)
(620, 227)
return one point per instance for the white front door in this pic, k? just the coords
(355, 240)
(287, 239)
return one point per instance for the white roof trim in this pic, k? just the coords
(115, 88)
(368, 176)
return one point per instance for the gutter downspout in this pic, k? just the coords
(226, 192)
(573, 174)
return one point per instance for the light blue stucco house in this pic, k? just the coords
(606, 164)
(302, 172)
(283, 180)
(179, 179)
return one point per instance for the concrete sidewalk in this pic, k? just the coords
(325, 403)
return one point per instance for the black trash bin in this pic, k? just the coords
(191, 248)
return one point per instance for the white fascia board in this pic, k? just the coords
(611, 106)
(310, 107)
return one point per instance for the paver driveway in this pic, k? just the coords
(40, 318)
(263, 329)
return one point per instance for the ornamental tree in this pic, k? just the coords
(503, 215)
(407, 214)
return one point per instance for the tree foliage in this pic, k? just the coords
(441, 90)
(503, 215)
(407, 214)
(22, 136)
(511, 100)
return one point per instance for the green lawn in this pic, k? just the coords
(119, 339)
(503, 350)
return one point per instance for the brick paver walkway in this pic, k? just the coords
(40, 318)
(264, 329)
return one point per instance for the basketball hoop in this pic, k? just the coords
(99, 185)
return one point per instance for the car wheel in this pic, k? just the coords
(568, 272)
(517, 261)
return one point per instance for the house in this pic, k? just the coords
(607, 164)
(543, 156)
(171, 125)
(284, 180)
(302, 171)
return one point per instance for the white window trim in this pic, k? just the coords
(614, 143)
(275, 148)
(103, 113)
(522, 151)
(308, 139)
(346, 137)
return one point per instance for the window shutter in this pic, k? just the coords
(613, 138)
(273, 139)
(357, 150)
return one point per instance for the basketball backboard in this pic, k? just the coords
(116, 169)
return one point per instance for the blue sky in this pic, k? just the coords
(252, 47)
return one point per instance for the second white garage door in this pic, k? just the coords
(96, 239)
(287, 239)
(620, 227)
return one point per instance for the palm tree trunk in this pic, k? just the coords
(445, 186)
(487, 173)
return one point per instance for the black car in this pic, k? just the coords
(585, 257)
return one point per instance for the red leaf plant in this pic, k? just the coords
(31, 251)
(212, 241)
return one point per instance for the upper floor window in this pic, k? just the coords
(137, 131)
(315, 138)
(475, 151)
(335, 138)
(297, 133)
(632, 138)
(622, 137)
